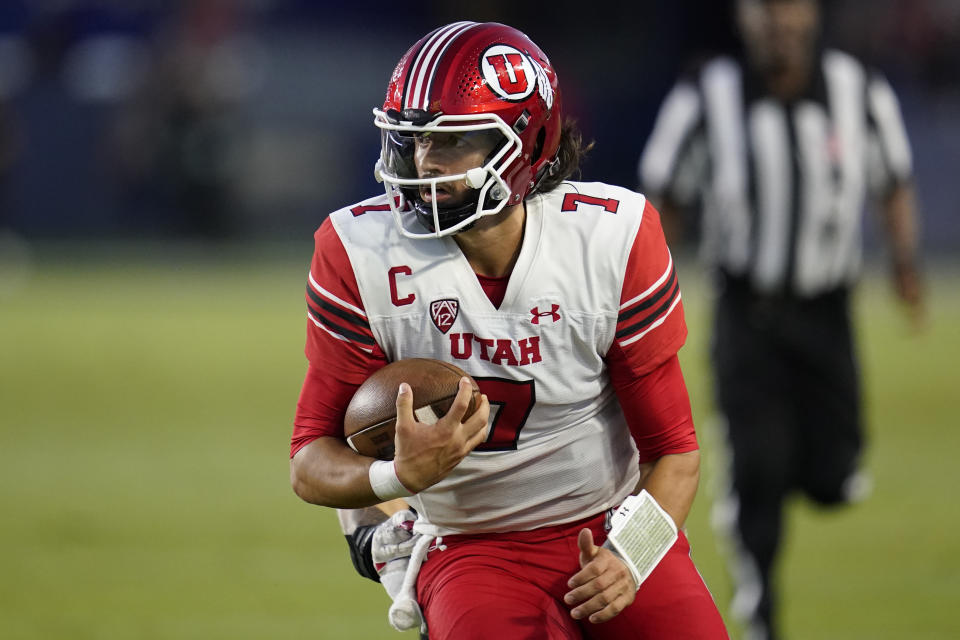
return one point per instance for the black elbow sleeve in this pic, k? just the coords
(361, 545)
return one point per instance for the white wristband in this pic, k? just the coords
(384, 481)
(641, 534)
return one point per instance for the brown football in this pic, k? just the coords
(370, 423)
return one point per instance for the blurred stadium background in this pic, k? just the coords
(162, 168)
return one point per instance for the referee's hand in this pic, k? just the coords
(908, 286)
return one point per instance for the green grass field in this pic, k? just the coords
(145, 408)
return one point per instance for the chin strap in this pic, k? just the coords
(448, 217)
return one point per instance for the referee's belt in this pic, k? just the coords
(741, 289)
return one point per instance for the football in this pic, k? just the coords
(370, 422)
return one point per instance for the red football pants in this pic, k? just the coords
(510, 586)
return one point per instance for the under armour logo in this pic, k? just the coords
(537, 314)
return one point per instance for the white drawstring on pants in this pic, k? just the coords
(405, 612)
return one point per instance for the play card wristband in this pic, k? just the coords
(641, 533)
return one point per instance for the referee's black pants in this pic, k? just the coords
(787, 382)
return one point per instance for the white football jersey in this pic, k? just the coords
(559, 448)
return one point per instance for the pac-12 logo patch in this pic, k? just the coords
(509, 72)
(444, 313)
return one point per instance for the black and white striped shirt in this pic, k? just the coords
(781, 185)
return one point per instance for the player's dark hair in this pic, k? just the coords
(570, 154)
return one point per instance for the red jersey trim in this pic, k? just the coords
(647, 311)
(339, 318)
(339, 334)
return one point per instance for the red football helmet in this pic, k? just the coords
(469, 80)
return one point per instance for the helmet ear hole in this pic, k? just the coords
(538, 147)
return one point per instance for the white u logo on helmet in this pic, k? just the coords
(508, 72)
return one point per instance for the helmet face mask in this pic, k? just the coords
(397, 168)
(483, 91)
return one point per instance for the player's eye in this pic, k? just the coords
(438, 140)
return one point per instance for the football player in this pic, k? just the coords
(561, 300)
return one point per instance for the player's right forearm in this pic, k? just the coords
(328, 473)
(672, 480)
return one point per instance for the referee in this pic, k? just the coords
(779, 149)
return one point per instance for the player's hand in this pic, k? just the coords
(604, 585)
(426, 453)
